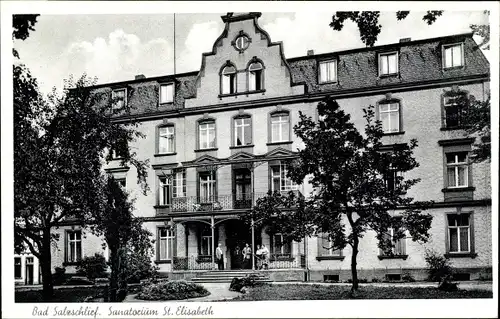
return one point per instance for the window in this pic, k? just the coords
(453, 55)
(455, 110)
(166, 139)
(206, 242)
(255, 78)
(280, 127)
(389, 116)
(165, 191)
(459, 233)
(242, 131)
(391, 178)
(207, 134)
(207, 186)
(17, 268)
(74, 246)
(166, 93)
(280, 181)
(165, 242)
(388, 63)
(119, 98)
(399, 247)
(179, 184)
(228, 80)
(241, 43)
(119, 149)
(280, 247)
(327, 71)
(457, 169)
(326, 248)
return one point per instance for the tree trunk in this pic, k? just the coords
(354, 271)
(113, 280)
(46, 265)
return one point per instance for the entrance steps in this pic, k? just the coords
(228, 275)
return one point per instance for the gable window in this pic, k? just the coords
(119, 99)
(457, 169)
(326, 247)
(165, 243)
(166, 93)
(388, 63)
(280, 247)
(327, 71)
(242, 131)
(453, 55)
(207, 186)
(228, 81)
(280, 127)
(255, 78)
(73, 246)
(17, 268)
(455, 109)
(166, 139)
(279, 179)
(206, 134)
(459, 233)
(165, 190)
(399, 245)
(389, 114)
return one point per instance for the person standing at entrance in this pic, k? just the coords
(265, 257)
(220, 257)
(247, 255)
(238, 258)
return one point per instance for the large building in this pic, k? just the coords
(218, 138)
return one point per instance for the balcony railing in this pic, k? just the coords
(205, 262)
(211, 203)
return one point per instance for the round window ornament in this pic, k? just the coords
(241, 42)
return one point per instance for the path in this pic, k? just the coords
(218, 292)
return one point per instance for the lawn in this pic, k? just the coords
(78, 294)
(317, 292)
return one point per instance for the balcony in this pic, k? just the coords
(211, 203)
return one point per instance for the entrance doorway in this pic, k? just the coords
(29, 270)
(238, 234)
(242, 188)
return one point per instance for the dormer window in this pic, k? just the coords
(453, 55)
(228, 80)
(388, 63)
(255, 78)
(327, 71)
(166, 93)
(119, 98)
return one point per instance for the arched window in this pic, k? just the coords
(228, 79)
(255, 78)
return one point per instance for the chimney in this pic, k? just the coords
(310, 52)
(403, 40)
(140, 77)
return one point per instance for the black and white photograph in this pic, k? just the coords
(249, 159)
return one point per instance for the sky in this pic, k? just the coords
(118, 47)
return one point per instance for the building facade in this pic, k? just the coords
(219, 138)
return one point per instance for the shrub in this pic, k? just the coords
(139, 267)
(360, 280)
(438, 267)
(376, 280)
(172, 290)
(237, 284)
(59, 276)
(75, 281)
(407, 277)
(93, 267)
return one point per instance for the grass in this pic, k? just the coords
(317, 292)
(60, 295)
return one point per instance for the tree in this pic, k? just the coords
(368, 25)
(129, 244)
(355, 182)
(59, 147)
(22, 25)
